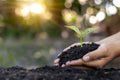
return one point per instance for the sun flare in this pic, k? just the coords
(37, 8)
(33, 8)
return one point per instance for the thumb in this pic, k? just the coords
(96, 54)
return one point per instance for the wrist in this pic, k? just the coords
(114, 48)
(117, 48)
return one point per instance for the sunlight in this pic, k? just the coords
(37, 8)
(25, 11)
(47, 16)
(34, 8)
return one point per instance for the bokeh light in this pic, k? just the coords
(64, 34)
(68, 3)
(69, 16)
(90, 10)
(93, 19)
(82, 2)
(110, 9)
(98, 2)
(100, 16)
(116, 3)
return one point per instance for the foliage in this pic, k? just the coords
(19, 26)
(29, 26)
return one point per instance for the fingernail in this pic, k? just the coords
(67, 63)
(56, 61)
(63, 65)
(56, 64)
(86, 58)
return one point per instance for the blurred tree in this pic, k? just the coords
(71, 12)
(18, 26)
(13, 25)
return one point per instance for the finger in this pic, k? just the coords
(68, 48)
(74, 62)
(97, 63)
(97, 54)
(82, 67)
(71, 46)
(63, 65)
(98, 42)
(56, 64)
(59, 55)
(56, 61)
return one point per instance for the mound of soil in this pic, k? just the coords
(62, 73)
(76, 52)
(58, 73)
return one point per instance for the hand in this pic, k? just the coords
(97, 59)
(109, 49)
(56, 62)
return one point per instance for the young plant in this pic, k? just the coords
(81, 34)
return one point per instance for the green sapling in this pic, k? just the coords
(81, 34)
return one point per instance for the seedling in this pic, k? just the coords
(81, 34)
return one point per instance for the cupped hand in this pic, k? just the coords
(97, 58)
(109, 49)
(56, 61)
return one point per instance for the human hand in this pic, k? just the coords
(73, 45)
(96, 59)
(56, 61)
(109, 49)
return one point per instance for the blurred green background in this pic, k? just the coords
(32, 32)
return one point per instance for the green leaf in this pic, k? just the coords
(74, 29)
(87, 31)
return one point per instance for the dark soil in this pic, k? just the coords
(76, 52)
(62, 73)
(58, 73)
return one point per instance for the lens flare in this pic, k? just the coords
(25, 11)
(34, 8)
(37, 8)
